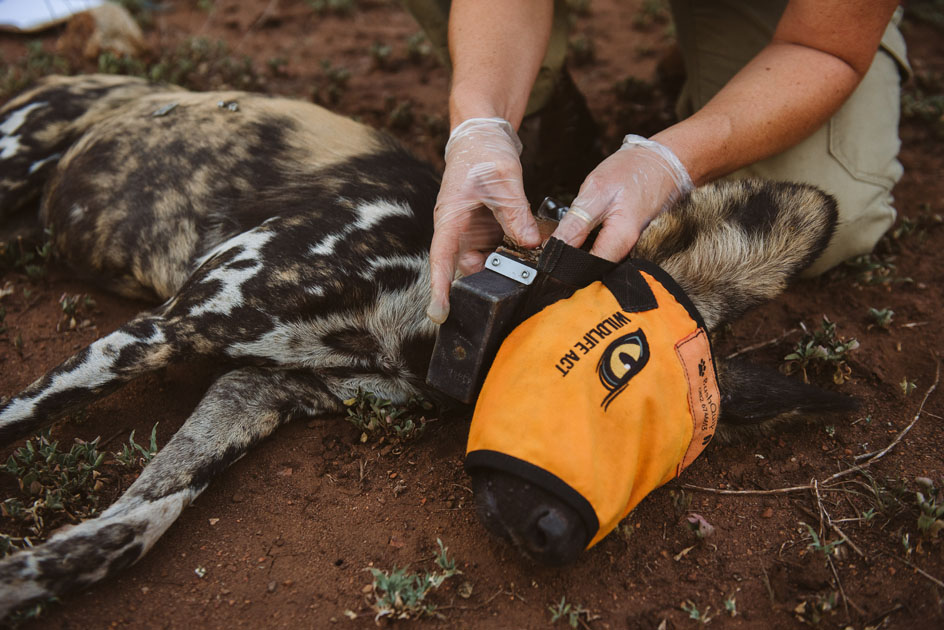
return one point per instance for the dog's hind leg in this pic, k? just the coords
(240, 409)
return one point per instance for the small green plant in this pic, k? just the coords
(825, 548)
(821, 346)
(693, 613)
(401, 115)
(378, 416)
(133, 455)
(927, 107)
(277, 65)
(875, 270)
(907, 386)
(930, 502)
(730, 606)
(881, 317)
(26, 257)
(418, 47)
(198, 63)
(681, 500)
(401, 594)
(110, 63)
(571, 613)
(651, 12)
(337, 78)
(73, 308)
(582, 49)
(382, 55)
(56, 486)
(37, 62)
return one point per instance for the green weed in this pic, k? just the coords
(875, 270)
(571, 613)
(823, 346)
(907, 386)
(401, 594)
(418, 47)
(693, 613)
(337, 78)
(133, 455)
(582, 49)
(821, 546)
(37, 63)
(401, 115)
(881, 317)
(651, 13)
(382, 55)
(74, 308)
(376, 416)
(27, 258)
(930, 502)
(55, 485)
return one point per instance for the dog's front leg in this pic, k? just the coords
(144, 344)
(241, 408)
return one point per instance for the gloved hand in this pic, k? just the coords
(482, 197)
(624, 193)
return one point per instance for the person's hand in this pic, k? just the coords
(482, 197)
(624, 193)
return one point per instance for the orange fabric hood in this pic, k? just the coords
(601, 397)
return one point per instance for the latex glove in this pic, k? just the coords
(482, 197)
(624, 193)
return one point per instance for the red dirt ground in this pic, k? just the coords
(286, 534)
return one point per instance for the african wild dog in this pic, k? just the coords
(292, 243)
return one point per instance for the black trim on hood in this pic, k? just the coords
(495, 460)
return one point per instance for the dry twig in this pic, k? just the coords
(842, 473)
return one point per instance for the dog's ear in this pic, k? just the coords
(756, 399)
(732, 245)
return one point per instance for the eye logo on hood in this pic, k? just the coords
(621, 361)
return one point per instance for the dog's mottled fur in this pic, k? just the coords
(291, 244)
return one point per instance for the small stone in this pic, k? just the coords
(272, 586)
(767, 513)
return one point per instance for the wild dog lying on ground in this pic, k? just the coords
(291, 244)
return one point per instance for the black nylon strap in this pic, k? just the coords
(571, 265)
(630, 289)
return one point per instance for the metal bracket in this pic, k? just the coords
(510, 268)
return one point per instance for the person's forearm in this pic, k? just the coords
(772, 104)
(784, 94)
(496, 48)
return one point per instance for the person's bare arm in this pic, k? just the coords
(496, 48)
(819, 53)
